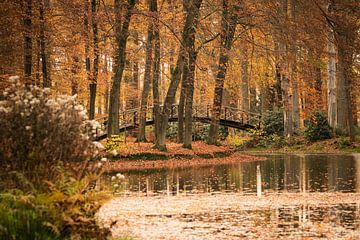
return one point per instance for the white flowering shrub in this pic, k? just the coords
(39, 130)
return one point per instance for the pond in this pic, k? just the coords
(286, 196)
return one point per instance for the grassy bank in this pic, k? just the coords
(295, 145)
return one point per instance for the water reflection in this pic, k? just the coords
(281, 173)
(290, 177)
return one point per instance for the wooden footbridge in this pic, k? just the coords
(229, 117)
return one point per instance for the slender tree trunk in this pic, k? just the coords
(245, 102)
(75, 72)
(135, 78)
(156, 77)
(294, 75)
(106, 92)
(181, 106)
(28, 41)
(265, 97)
(295, 98)
(43, 50)
(87, 53)
(38, 58)
(228, 23)
(147, 77)
(122, 33)
(253, 99)
(94, 77)
(331, 83)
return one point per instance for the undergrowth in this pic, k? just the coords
(48, 170)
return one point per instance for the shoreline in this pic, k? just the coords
(122, 165)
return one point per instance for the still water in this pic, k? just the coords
(280, 173)
(286, 196)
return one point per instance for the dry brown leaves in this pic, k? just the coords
(199, 147)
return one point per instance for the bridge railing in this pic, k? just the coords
(131, 117)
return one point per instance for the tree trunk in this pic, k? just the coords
(43, 51)
(190, 79)
(331, 83)
(228, 23)
(181, 108)
(294, 76)
(147, 77)
(28, 41)
(284, 68)
(192, 12)
(345, 115)
(169, 100)
(106, 93)
(87, 55)
(295, 98)
(190, 82)
(122, 33)
(253, 100)
(135, 78)
(94, 77)
(245, 102)
(38, 58)
(75, 68)
(156, 76)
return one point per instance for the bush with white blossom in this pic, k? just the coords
(38, 129)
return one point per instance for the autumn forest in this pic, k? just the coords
(85, 82)
(299, 56)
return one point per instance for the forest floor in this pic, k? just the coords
(133, 155)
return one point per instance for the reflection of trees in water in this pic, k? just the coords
(281, 173)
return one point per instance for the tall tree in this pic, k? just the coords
(87, 51)
(181, 107)
(192, 11)
(345, 23)
(284, 69)
(293, 69)
(245, 101)
(27, 21)
(228, 24)
(95, 72)
(156, 74)
(331, 82)
(122, 33)
(147, 75)
(43, 46)
(190, 78)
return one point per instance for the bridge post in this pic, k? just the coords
(172, 111)
(225, 111)
(207, 110)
